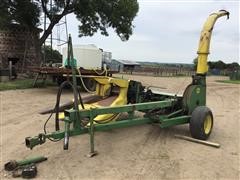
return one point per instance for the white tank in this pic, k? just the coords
(87, 56)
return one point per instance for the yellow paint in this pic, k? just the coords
(102, 89)
(207, 124)
(61, 115)
(204, 42)
(120, 100)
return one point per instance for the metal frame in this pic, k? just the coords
(159, 108)
(74, 127)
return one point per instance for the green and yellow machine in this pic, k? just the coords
(115, 96)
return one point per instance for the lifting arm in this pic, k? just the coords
(204, 42)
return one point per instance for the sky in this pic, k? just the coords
(169, 31)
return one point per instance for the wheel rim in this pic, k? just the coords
(207, 124)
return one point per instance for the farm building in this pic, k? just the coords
(124, 65)
(18, 47)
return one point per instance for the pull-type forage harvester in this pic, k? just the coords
(120, 95)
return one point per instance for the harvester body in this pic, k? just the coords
(119, 95)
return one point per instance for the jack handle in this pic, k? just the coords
(66, 134)
(31, 142)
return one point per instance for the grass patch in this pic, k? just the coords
(22, 84)
(229, 81)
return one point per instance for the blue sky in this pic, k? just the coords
(168, 31)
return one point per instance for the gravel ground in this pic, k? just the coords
(141, 152)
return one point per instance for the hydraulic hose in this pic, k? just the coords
(77, 98)
(75, 92)
(102, 73)
(83, 84)
(64, 84)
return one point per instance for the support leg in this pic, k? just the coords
(92, 151)
(66, 136)
(35, 79)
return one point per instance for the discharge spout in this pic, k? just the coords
(204, 42)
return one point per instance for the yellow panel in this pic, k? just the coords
(103, 84)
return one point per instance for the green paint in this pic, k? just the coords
(31, 160)
(122, 124)
(73, 63)
(167, 111)
(175, 121)
(195, 94)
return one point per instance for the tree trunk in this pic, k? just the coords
(49, 29)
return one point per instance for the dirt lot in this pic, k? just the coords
(142, 152)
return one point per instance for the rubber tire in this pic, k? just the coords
(90, 84)
(197, 122)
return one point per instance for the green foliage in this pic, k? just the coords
(93, 15)
(52, 55)
(218, 65)
(235, 75)
(233, 65)
(195, 61)
(5, 16)
(100, 14)
(21, 84)
(23, 12)
(221, 65)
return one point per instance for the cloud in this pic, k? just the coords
(168, 31)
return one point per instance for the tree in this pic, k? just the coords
(233, 66)
(220, 65)
(211, 65)
(23, 12)
(52, 55)
(93, 15)
(5, 16)
(195, 62)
